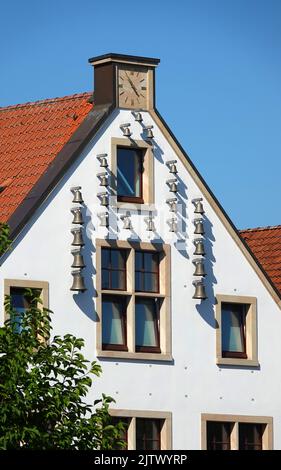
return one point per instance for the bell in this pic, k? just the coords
(127, 132)
(77, 195)
(78, 261)
(138, 117)
(78, 281)
(173, 187)
(103, 162)
(78, 237)
(198, 206)
(104, 219)
(174, 225)
(173, 169)
(173, 204)
(150, 226)
(104, 200)
(149, 134)
(199, 267)
(200, 292)
(103, 180)
(77, 219)
(199, 247)
(199, 227)
(127, 224)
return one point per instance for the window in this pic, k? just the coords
(129, 174)
(124, 433)
(231, 432)
(114, 269)
(147, 430)
(236, 333)
(146, 271)
(132, 167)
(16, 289)
(133, 302)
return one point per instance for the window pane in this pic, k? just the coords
(233, 328)
(146, 324)
(250, 436)
(218, 435)
(118, 280)
(129, 163)
(139, 281)
(150, 282)
(105, 256)
(20, 304)
(148, 434)
(105, 279)
(112, 323)
(138, 260)
(151, 261)
(114, 269)
(118, 259)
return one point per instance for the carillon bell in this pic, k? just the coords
(173, 204)
(104, 199)
(103, 179)
(127, 223)
(150, 225)
(149, 133)
(199, 267)
(173, 187)
(173, 225)
(103, 162)
(78, 261)
(104, 219)
(78, 237)
(199, 247)
(77, 195)
(198, 206)
(78, 281)
(199, 227)
(138, 117)
(127, 132)
(77, 219)
(173, 169)
(200, 292)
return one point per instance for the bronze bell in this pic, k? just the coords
(198, 206)
(127, 224)
(149, 134)
(104, 200)
(103, 162)
(173, 169)
(78, 261)
(78, 281)
(173, 204)
(78, 237)
(104, 219)
(200, 292)
(174, 225)
(199, 247)
(77, 219)
(150, 225)
(127, 132)
(173, 187)
(77, 195)
(199, 227)
(199, 267)
(103, 180)
(138, 117)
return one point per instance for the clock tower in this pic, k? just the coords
(124, 81)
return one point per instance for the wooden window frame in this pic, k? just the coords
(250, 331)
(164, 297)
(110, 270)
(133, 415)
(156, 324)
(235, 420)
(143, 272)
(134, 199)
(148, 193)
(118, 347)
(43, 286)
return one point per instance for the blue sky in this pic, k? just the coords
(218, 83)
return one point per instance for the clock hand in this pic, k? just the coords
(132, 85)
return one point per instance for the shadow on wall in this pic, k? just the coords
(85, 301)
(206, 307)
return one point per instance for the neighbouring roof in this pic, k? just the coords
(31, 135)
(265, 243)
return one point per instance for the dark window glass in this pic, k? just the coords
(20, 304)
(250, 436)
(124, 433)
(113, 269)
(148, 434)
(129, 174)
(146, 271)
(114, 324)
(233, 330)
(147, 325)
(218, 435)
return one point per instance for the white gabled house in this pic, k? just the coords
(132, 251)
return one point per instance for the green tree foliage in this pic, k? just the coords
(43, 385)
(4, 238)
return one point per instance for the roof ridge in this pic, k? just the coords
(46, 101)
(256, 229)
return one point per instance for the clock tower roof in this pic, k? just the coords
(123, 58)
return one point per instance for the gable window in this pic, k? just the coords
(133, 300)
(20, 304)
(146, 430)
(236, 330)
(114, 269)
(146, 271)
(129, 174)
(234, 432)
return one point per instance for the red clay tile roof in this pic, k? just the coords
(31, 135)
(265, 243)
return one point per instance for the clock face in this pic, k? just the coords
(132, 87)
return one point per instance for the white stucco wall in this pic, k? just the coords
(193, 383)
